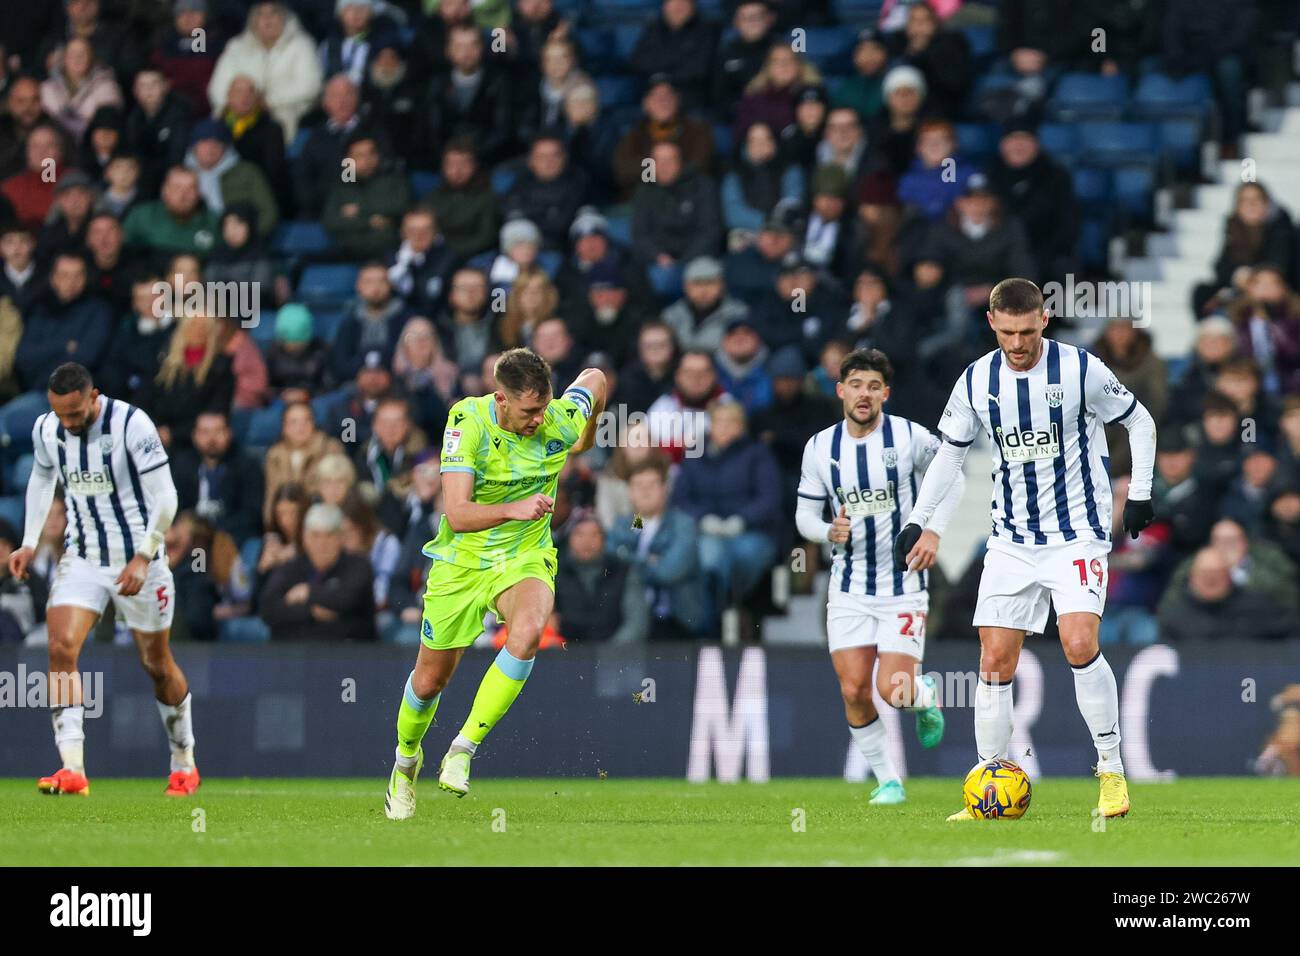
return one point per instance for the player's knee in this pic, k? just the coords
(856, 690)
(427, 685)
(63, 652)
(1080, 647)
(997, 665)
(895, 689)
(157, 663)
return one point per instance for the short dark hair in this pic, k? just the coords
(523, 370)
(1016, 297)
(656, 463)
(1216, 403)
(70, 377)
(867, 360)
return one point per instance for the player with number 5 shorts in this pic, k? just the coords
(120, 502)
(1043, 404)
(862, 474)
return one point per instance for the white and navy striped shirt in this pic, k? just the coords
(1050, 460)
(100, 473)
(875, 479)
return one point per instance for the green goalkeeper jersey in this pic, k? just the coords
(506, 467)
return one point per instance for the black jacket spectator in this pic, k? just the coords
(346, 589)
(686, 54)
(681, 218)
(1041, 195)
(233, 486)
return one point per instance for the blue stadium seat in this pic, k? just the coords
(723, 140)
(1092, 185)
(625, 38)
(830, 48)
(857, 13)
(617, 91)
(550, 261)
(19, 470)
(264, 426)
(1180, 140)
(424, 182)
(503, 179)
(1176, 367)
(978, 141)
(983, 41)
(596, 48)
(1061, 140)
(1088, 96)
(1135, 184)
(1159, 96)
(1094, 240)
(322, 408)
(327, 284)
(12, 508)
(325, 323)
(300, 237)
(1113, 144)
(620, 229)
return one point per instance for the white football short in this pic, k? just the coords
(80, 583)
(1020, 580)
(890, 624)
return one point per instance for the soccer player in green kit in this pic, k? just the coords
(501, 459)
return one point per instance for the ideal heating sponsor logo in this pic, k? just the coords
(1029, 444)
(867, 502)
(77, 909)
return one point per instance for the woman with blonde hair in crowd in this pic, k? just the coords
(533, 299)
(301, 447)
(78, 85)
(332, 479)
(428, 378)
(194, 377)
(772, 94)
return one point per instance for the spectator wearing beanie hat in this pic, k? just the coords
(297, 363)
(224, 178)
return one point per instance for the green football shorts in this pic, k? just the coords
(456, 598)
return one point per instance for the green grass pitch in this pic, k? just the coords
(788, 822)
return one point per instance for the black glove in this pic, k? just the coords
(1137, 515)
(904, 544)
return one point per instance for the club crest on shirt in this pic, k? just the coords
(1055, 396)
(891, 457)
(553, 446)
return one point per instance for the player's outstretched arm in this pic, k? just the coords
(593, 380)
(465, 515)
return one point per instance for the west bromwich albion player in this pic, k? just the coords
(1043, 403)
(120, 501)
(865, 468)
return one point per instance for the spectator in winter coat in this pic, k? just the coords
(177, 221)
(741, 57)
(928, 184)
(187, 64)
(548, 192)
(30, 193)
(218, 481)
(862, 91)
(372, 324)
(1258, 232)
(464, 203)
(298, 364)
(772, 94)
(279, 56)
(316, 169)
(942, 56)
(473, 99)
(664, 120)
(157, 128)
(77, 87)
(741, 360)
(1212, 607)
(1038, 191)
(705, 311)
(1267, 318)
(224, 178)
(421, 267)
(67, 325)
(1128, 352)
(733, 493)
(681, 44)
(676, 217)
(194, 377)
(257, 137)
(759, 179)
(362, 214)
